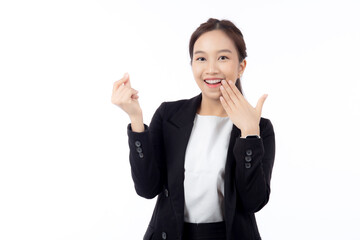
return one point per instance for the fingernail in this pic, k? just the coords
(223, 81)
(230, 82)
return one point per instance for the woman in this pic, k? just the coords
(209, 158)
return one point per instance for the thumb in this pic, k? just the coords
(260, 103)
(127, 80)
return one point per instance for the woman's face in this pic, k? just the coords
(215, 58)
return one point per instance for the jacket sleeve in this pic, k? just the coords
(254, 164)
(147, 156)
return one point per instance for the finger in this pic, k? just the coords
(135, 96)
(225, 105)
(123, 79)
(229, 91)
(226, 96)
(120, 90)
(118, 83)
(260, 103)
(128, 93)
(127, 82)
(235, 90)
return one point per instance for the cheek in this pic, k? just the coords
(230, 70)
(196, 71)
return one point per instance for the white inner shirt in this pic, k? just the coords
(205, 159)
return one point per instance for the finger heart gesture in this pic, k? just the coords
(126, 97)
(241, 113)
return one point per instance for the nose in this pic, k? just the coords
(212, 67)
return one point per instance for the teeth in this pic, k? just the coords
(213, 81)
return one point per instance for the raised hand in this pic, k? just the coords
(126, 98)
(241, 113)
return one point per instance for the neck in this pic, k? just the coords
(211, 107)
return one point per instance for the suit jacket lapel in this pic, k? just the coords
(186, 114)
(177, 133)
(229, 185)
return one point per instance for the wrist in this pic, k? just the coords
(137, 127)
(137, 124)
(136, 118)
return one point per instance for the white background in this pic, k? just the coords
(64, 170)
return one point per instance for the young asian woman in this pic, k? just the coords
(208, 159)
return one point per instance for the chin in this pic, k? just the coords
(213, 95)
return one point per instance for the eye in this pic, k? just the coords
(201, 59)
(223, 58)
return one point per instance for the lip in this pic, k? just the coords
(213, 85)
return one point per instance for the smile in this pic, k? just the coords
(213, 83)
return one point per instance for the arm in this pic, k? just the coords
(254, 157)
(146, 156)
(146, 148)
(254, 164)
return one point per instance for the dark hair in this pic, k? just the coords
(230, 30)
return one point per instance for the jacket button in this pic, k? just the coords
(163, 235)
(166, 192)
(249, 152)
(247, 165)
(141, 155)
(137, 143)
(139, 149)
(248, 158)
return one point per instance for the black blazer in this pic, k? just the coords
(157, 158)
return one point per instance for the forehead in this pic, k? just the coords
(214, 40)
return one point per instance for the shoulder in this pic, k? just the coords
(170, 108)
(174, 105)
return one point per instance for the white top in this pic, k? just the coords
(205, 159)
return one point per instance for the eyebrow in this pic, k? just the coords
(222, 50)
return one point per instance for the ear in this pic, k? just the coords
(242, 67)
